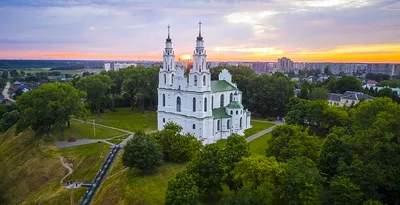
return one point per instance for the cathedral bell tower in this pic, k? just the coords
(199, 74)
(166, 74)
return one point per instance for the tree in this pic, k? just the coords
(22, 72)
(255, 170)
(268, 95)
(4, 74)
(236, 148)
(140, 85)
(50, 105)
(333, 116)
(372, 202)
(303, 182)
(8, 120)
(14, 73)
(374, 149)
(389, 83)
(262, 195)
(319, 94)
(96, 87)
(343, 84)
(332, 152)
(19, 92)
(387, 92)
(289, 141)
(377, 76)
(177, 147)
(182, 190)
(304, 90)
(207, 170)
(297, 111)
(343, 192)
(142, 152)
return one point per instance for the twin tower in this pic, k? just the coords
(173, 74)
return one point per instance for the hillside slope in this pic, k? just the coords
(31, 169)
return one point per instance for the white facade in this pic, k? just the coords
(209, 110)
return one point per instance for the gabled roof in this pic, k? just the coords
(235, 105)
(220, 113)
(334, 97)
(221, 85)
(350, 95)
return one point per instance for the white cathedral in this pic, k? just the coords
(209, 110)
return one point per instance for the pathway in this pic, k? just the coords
(259, 134)
(66, 165)
(101, 125)
(5, 92)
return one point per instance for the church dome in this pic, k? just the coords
(234, 105)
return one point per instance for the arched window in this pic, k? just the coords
(230, 97)
(212, 102)
(204, 80)
(218, 128)
(194, 104)
(205, 104)
(222, 101)
(195, 80)
(178, 104)
(165, 78)
(237, 112)
(231, 112)
(228, 124)
(240, 123)
(194, 126)
(163, 100)
(163, 120)
(172, 79)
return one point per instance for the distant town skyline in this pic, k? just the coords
(360, 31)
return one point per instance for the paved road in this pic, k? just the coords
(259, 134)
(114, 128)
(5, 92)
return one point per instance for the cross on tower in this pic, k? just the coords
(199, 28)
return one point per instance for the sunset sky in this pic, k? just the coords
(235, 30)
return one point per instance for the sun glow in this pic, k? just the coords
(186, 57)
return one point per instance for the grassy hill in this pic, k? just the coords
(31, 169)
(124, 186)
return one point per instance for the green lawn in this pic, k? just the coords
(82, 130)
(257, 127)
(129, 120)
(259, 145)
(87, 159)
(131, 187)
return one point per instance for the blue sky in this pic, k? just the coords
(236, 29)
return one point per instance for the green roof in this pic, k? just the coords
(221, 85)
(235, 105)
(220, 113)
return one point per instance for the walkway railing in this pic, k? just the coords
(100, 176)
